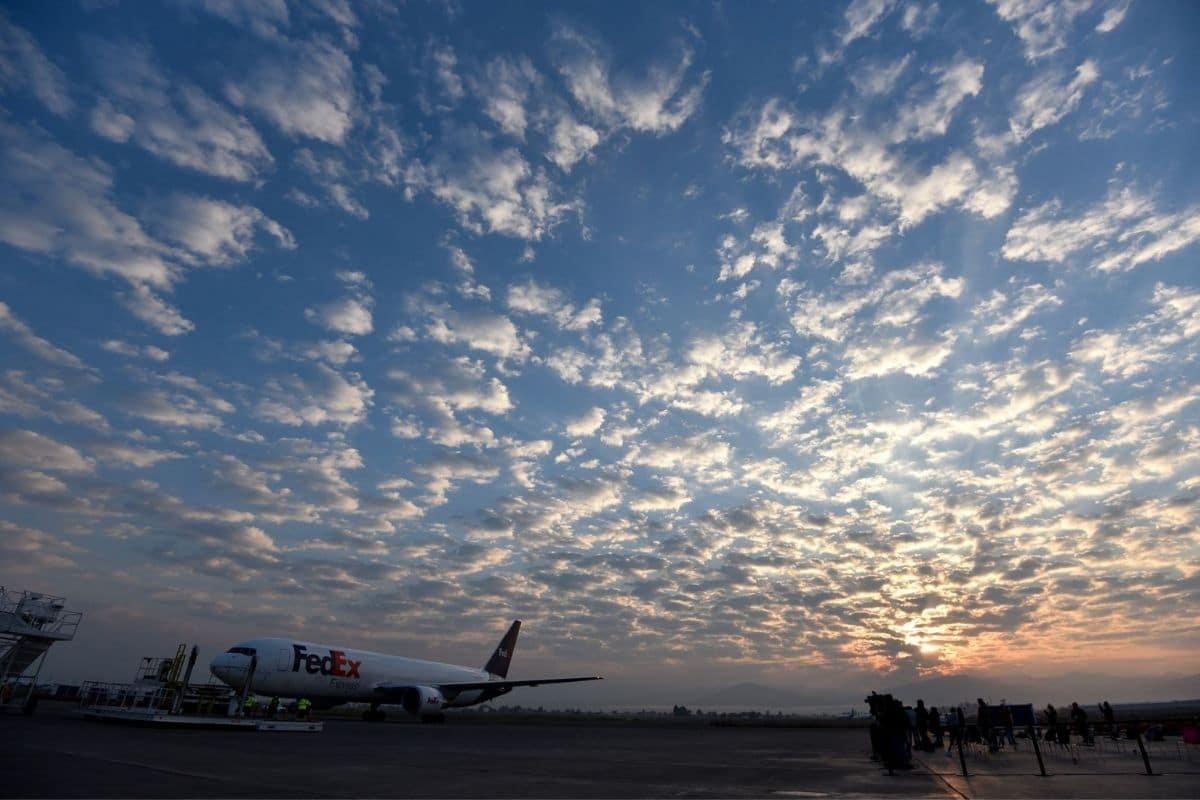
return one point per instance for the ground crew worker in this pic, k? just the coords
(272, 708)
(304, 709)
(250, 705)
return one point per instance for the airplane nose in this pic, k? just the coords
(224, 669)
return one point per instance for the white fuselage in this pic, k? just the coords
(333, 675)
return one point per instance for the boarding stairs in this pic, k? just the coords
(30, 622)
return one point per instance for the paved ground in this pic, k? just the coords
(53, 755)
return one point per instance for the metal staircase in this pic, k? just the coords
(29, 623)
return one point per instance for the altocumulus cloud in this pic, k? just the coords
(422, 317)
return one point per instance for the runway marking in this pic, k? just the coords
(955, 791)
(179, 772)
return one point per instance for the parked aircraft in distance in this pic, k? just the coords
(329, 676)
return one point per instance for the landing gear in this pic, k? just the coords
(373, 714)
(433, 719)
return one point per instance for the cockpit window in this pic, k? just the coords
(246, 651)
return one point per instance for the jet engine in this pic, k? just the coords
(423, 700)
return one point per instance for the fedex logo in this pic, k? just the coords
(335, 663)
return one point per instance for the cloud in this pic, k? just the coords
(670, 495)
(442, 63)
(304, 89)
(537, 299)
(173, 410)
(917, 358)
(1121, 232)
(459, 384)
(171, 117)
(1002, 314)
(587, 424)
(743, 352)
(861, 16)
(56, 203)
(28, 449)
(571, 141)
(879, 78)
(1048, 98)
(126, 455)
(267, 18)
(129, 350)
(332, 174)
(38, 399)
(23, 65)
(350, 315)
(24, 548)
(213, 232)
(702, 455)
(1113, 17)
(327, 397)
(768, 247)
(156, 312)
(780, 139)
(505, 88)
(1158, 339)
(443, 391)
(660, 103)
(448, 469)
(931, 117)
(492, 191)
(24, 335)
(1041, 25)
(897, 299)
(477, 329)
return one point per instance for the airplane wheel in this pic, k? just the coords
(373, 715)
(433, 719)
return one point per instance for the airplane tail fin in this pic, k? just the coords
(502, 657)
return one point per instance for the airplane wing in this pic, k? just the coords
(466, 687)
(453, 687)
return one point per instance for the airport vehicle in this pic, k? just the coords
(330, 676)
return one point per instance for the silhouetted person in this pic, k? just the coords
(1079, 718)
(1006, 719)
(1051, 732)
(935, 727)
(922, 719)
(896, 755)
(984, 721)
(875, 705)
(1110, 719)
(910, 726)
(958, 732)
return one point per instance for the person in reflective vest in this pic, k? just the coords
(304, 708)
(250, 705)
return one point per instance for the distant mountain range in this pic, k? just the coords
(760, 696)
(1086, 688)
(1083, 687)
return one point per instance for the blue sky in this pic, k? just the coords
(786, 340)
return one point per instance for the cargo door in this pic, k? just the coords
(284, 680)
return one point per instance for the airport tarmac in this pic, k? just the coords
(56, 755)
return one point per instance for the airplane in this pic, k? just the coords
(330, 676)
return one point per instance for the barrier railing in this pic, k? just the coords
(1095, 751)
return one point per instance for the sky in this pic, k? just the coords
(799, 343)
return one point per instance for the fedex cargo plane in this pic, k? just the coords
(330, 676)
